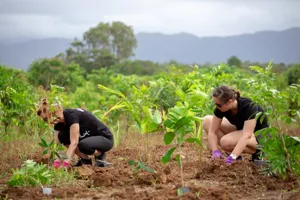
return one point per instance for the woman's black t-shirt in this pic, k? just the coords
(247, 110)
(89, 125)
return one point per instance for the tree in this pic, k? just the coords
(103, 45)
(45, 72)
(234, 61)
(293, 74)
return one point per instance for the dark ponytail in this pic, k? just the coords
(224, 93)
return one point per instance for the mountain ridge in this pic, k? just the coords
(187, 48)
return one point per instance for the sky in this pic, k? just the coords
(71, 18)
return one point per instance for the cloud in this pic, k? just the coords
(38, 18)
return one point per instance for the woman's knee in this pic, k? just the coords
(206, 122)
(85, 148)
(227, 144)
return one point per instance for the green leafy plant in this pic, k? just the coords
(138, 165)
(180, 123)
(31, 174)
(278, 161)
(52, 148)
(36, 174)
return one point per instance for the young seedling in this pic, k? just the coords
(138, 165)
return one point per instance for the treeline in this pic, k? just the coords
(106, 50)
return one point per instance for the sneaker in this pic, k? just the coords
(257, 158)
(257, 155)
(82, 161)
(102, 163)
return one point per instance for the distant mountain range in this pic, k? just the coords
(279, 46)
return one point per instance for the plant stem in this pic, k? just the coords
(283, 142)
(181, 167)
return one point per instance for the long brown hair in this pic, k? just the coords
(52, 111)
(224, 93)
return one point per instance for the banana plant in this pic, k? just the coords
(147, 117)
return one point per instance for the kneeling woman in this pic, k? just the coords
(233, 125)
(80, 131)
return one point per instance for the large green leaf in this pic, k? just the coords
(166, 158)
(111, 91)
(157, 117)
(168, 137)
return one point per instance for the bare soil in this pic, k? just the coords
(204, 178)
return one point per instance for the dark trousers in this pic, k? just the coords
(88, 145)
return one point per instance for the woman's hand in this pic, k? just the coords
(56, 163)
(66, 164)
(216, 155)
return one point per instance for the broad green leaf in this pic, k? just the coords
(166, 158)
(118, 106)
(43, 143)
(149, 126)
(146, 168)
(45, 152)
(147, 111)
(157, 117)
(132, 162)
(168, 137)
(111, 91)
(180, 94)
(169, 123)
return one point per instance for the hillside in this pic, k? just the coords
(279, 46)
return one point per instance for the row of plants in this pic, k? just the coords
(174, 103)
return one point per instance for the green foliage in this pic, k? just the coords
(34, 174)
(52, 148)
(103, 46)
(234, 61)
(293, 74)
(16, 98)
(273, 146)
(44, 72)
(142, 108)
(31, 174)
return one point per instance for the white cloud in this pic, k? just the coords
(41, 18)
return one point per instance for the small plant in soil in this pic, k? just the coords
(180, 123)
(139, 165)
(52, 148)
(36, 174)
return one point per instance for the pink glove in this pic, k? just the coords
(217, 154)
(65, 164)
(56, 164)
(229, 160)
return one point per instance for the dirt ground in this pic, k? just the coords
(205, 179)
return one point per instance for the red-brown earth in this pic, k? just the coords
(205, 179)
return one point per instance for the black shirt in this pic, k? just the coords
(89, 125)
(247, 110)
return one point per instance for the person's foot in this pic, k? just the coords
(258, 159)
(82, 161)
(102, 163)
(100, 160)
(257, 155)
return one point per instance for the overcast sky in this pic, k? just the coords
(71, 18)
